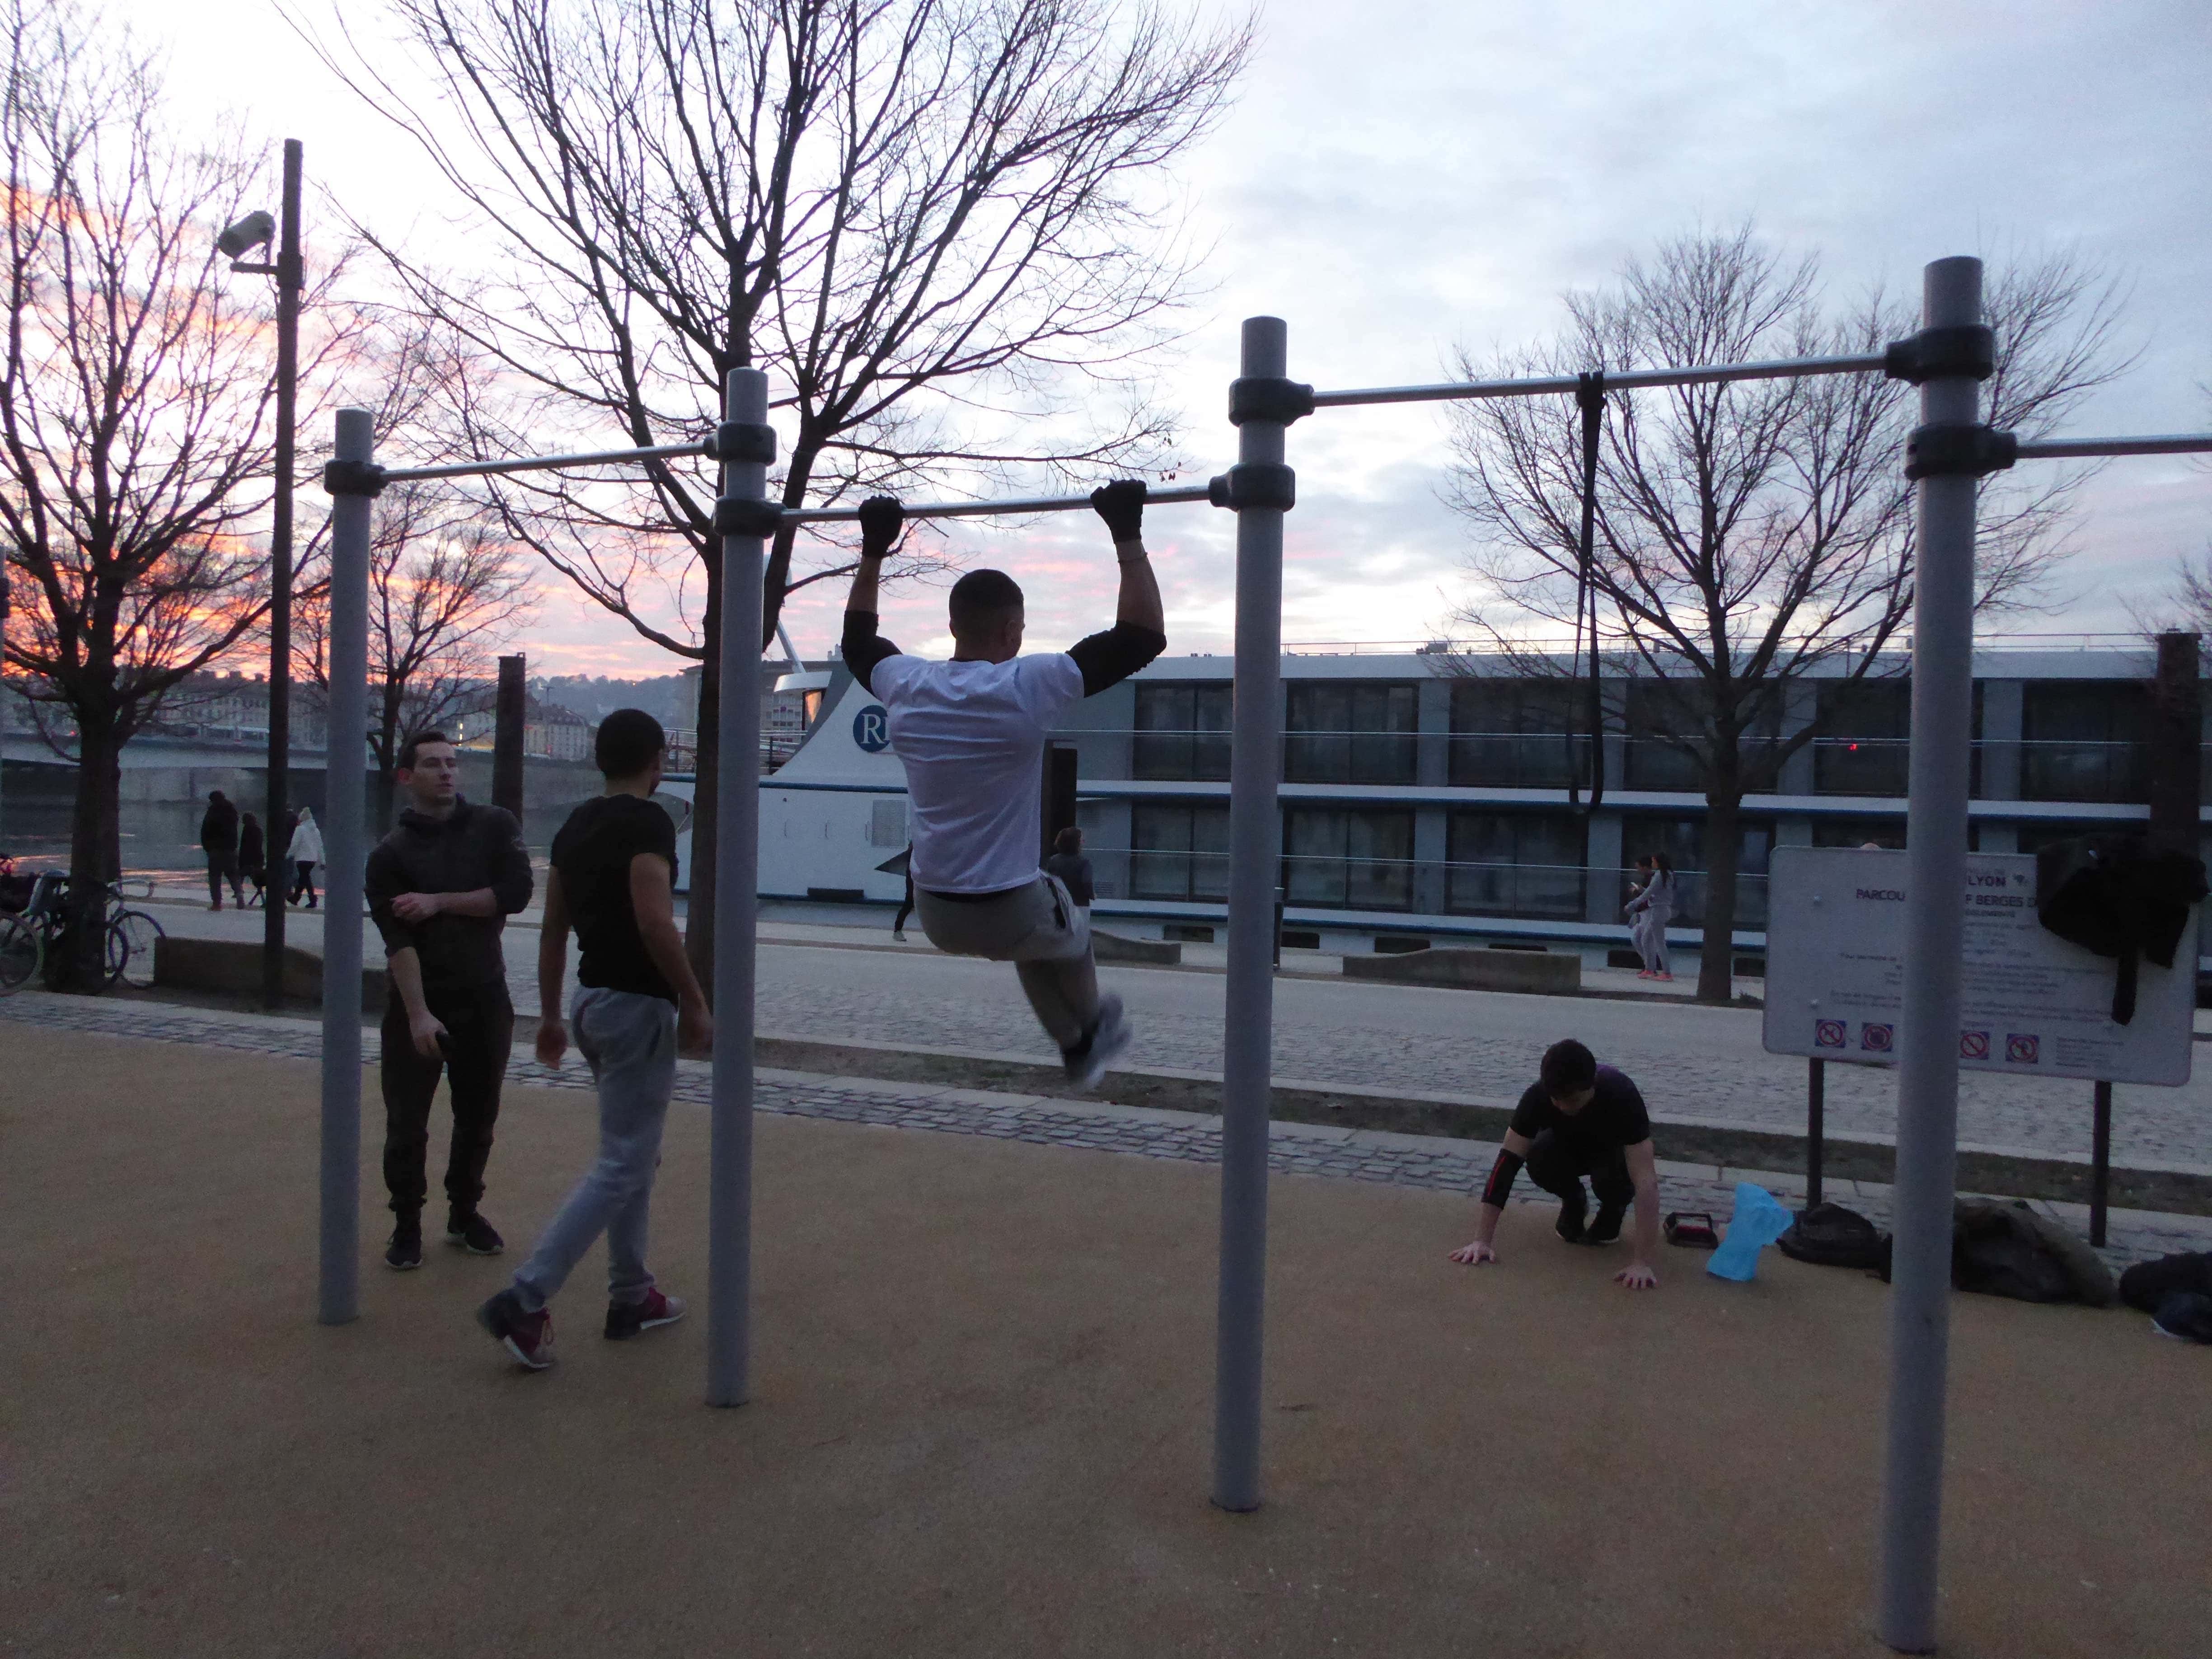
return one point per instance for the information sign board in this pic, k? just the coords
(2032, 1005)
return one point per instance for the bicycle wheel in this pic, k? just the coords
(21, 952)
(131, 939)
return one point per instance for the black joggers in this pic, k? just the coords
(1559, 1166)
(479, 1031)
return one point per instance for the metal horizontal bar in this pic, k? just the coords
(988, 509)
(1626, 380)
(2052, 449)
(544, 463)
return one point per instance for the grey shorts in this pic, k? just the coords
(1036, 923)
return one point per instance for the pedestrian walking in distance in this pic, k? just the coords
(1651, 907)
(219, 841)
(303, 853)
(441, 887)
(971, 733)
(253, 857)
(613, 881)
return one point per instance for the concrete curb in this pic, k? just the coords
(2181, 1189)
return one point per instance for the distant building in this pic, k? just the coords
(552, 731)
(234, 708)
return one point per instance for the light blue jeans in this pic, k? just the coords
(629, 1040)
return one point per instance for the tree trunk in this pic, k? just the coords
(699, 919)
(95, 854)
(1723, 853)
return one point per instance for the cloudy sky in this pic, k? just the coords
(1400, 177)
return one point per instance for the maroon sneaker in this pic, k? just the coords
(527, 1336)
(626, 1319)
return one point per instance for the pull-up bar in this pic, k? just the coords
(2059, 449)
(1006, 509)
(1626, 380)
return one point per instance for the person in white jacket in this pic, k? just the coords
(305, 851)
(1651, 907)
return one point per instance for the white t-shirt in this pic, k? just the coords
(971, 737)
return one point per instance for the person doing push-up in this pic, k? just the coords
(971, 733)
(1578, 1119)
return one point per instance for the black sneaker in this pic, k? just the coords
(1572, 1210)
(626, 1319)
(406, 1249)
(472, 1233)
(1604, 1228)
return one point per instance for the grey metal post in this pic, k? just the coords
(737, 886)
(1255, 838)
(1928, 1048)
(346, 852)
(291, 282)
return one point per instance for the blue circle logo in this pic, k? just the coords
(872, 729)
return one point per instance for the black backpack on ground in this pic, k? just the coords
(2146, 1284)
(1830, 1235)
(2007, 1250)
(2117, 896)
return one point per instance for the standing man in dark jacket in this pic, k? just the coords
(219, 841)
(441, 887)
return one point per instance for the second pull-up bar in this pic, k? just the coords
(1009, 509)
(1626, 380)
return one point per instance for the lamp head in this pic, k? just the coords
(251, 232)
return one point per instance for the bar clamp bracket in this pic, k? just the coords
(1268, 397)
(1958, 452)
(741, 515)
(353, 478)
(1254, 484)
(1966, 350)
(743, 441)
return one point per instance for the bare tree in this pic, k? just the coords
(445, 590)
(136, 405)
(940, 226)
(1749, 537)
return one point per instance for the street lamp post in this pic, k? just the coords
(290, 274)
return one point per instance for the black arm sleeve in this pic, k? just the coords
(863, 648)
(1109, 659)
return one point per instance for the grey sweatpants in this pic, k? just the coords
(1039, 929)
(628, 1039)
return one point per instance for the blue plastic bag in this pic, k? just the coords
(1760, 1219)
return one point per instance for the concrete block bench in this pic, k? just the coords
(1551, 973)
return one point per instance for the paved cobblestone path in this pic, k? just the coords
(1294, 1149)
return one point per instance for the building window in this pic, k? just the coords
(1512, 734)
(1343, 732)
(1659, 710)
(1857, 832)
(2083, 740)
(1864, 746)
(1178, 851)
(1514, 864)
(1683, 841)
(1182, 732)
(1345, 860)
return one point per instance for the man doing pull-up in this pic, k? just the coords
(1578, 1119)
(971, 733)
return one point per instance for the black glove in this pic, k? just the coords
(881, 518)
(1122, 504)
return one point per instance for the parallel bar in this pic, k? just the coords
(1816, 1127)
(2054, 449)
(1626, 380)
(345, 848)
(737, 904)
(1927, 1048)
(2100, 1162)
(544, 463)
(990, 509)
(1254, 837)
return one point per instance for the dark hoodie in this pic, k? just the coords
(476, 847)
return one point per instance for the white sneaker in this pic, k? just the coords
(1108, 1042)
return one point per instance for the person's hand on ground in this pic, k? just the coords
(1122, 504)
(1636, 1277)
(695, 1030)
(1474, 1255)
(552, 1043)
(881, 518)
(426, 1028)
(414, 909)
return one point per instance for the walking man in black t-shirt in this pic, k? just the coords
(613, 879)
(1578, 1119)
(439, 888)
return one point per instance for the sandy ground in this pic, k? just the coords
(981, 1420)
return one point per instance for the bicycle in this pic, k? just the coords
(28, 935)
